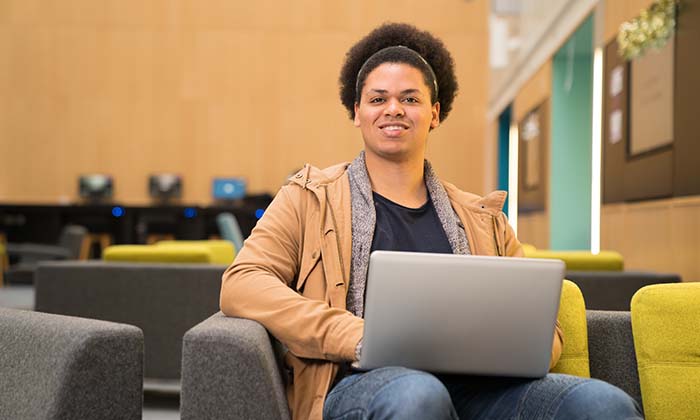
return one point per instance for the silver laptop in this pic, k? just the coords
(461, 314)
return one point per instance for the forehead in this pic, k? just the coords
(395, 76)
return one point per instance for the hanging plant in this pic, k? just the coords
(651, 29)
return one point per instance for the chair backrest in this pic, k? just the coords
(666, 328)
(230, 229)
(572, 317)
(58, 367)
(72, 237)
(611, 350)
(164, 300)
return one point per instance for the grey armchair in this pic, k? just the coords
(55, 367)
(25, 257)
(230, 368)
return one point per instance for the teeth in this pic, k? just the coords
(393, 127)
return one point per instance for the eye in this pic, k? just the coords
(411, 100)
(376, 100)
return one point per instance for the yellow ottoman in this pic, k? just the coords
(222, 251)
(666, 329)
(572, 317)
(580, 260)
(152, 253)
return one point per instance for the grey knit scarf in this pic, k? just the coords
(364, 219)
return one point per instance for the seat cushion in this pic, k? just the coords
(572, 317)
(666, 328)
(223, 251)
(151, 253)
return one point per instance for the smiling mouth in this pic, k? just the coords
(393, 128)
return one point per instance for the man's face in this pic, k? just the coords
(395, 113)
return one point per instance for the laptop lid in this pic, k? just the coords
(461, 314)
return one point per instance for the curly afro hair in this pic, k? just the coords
(430, 48)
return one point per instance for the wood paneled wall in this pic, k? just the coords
(659, 235)
(206, 88)
(618, 11)
(533, 227)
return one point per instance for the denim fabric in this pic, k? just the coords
(400, 393)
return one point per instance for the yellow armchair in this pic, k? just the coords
(666, 328)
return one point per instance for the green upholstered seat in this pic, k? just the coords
(666, 328)
(223, 251)
(572, 317)
(153, 253)
(580, 260)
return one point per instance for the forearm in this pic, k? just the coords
(309, 328)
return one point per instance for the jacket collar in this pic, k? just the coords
(310, 177)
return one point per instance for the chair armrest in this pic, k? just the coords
(611, 350)
(60, 367)
(37, 252)
(229, 370)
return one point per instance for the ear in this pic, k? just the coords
(435, 122)
(356, 121)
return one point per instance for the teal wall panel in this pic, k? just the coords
(504, 121)
(570, 166)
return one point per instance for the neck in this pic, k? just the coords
(401, 182)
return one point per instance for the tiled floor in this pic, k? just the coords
(155, 406)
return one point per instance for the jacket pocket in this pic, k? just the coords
(308, 266)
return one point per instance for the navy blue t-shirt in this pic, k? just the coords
(402, 228)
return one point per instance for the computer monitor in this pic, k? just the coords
(95, 187)
(165, 186)
(228, 188)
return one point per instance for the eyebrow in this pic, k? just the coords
(403, 92)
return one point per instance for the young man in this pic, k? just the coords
(303, 271)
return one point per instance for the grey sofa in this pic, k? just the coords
(230, 368)
(164, 300)
(55, 367)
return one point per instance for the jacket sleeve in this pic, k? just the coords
(259, 286)
(513, 248)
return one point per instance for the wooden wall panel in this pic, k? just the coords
(535, 91)
(533, 229)
(686, 176)
(206, 88)
(660, 235)
(618, 11)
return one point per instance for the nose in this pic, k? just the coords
(394, 108)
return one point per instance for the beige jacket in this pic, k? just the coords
(292, 276)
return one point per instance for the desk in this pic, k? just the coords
(120, 224)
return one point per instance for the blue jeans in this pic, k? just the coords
(401, 393)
